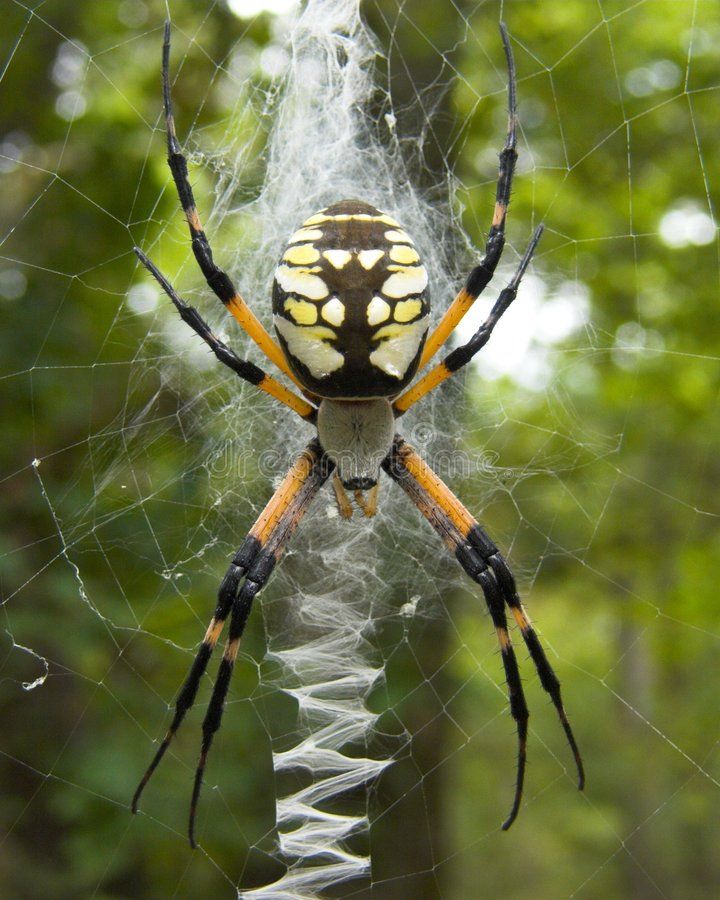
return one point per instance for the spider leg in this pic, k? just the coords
(254, 561)
(462, 355)
(480, 559)
(246, 370)
(218, 280)
(368, 504)
(480, 540)
(480, 276)
(342, 500)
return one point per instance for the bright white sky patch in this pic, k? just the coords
(143, 297)
(688, 223)
(631, 340)
(246, 9)
(70, 63)
(273, 60)
(522, 340)
(182, 340)
(70, 105)
(662, 75)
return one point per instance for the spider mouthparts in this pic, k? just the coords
(360, 484)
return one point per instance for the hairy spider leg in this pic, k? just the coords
(368, 504)
(462, 355)
(254, 561)
(342, 500)
(490, 554)
(248, 371)
(218, 280)
(480, 559)
(480, 276)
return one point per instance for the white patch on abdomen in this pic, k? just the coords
(378, 311)
(334, 312)
(404, 281)
(368, 258)
(399, 345)
(337, 258)
(309, 345)
(302, 281)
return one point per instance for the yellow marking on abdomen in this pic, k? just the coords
(310, 345)
(388, 331)
(306, 234)
(302, 312)
(398, 237)
(315, 220)
(407, 310)
(398, 346)
(302, 255)
(320, 217)
(404, 254)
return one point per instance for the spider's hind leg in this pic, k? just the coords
(480, 559)
(254, 562)
(548, 679)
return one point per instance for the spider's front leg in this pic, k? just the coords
(462, 355)
(246, 370)
(254, 562)
(480, 558)
(217, 279)
(481, 275)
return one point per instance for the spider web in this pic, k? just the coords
(366, 747)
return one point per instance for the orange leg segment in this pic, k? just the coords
(216, 278)
(249, 571)
(482, 561)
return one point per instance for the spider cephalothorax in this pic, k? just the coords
(352, 317)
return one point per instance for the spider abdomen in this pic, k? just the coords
(350, 304)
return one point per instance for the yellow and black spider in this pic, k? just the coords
(352, 317)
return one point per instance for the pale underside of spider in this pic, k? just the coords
(351, 313)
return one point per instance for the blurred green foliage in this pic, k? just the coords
(605, 492)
